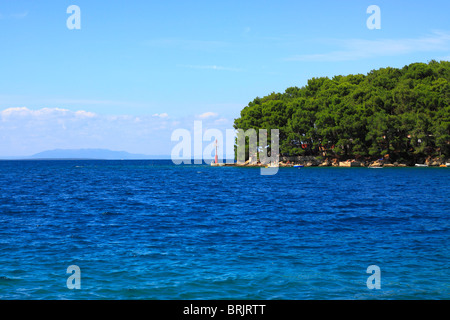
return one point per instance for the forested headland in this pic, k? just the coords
(397, 114)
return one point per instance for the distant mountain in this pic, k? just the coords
(103, 154)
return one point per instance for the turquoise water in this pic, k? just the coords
(153, 230)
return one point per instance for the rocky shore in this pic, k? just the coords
(310, 161)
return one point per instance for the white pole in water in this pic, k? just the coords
(216, 157)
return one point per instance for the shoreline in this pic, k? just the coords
(351, 163)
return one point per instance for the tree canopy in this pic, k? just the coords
(403, 113)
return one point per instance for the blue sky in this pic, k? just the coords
(138, 70)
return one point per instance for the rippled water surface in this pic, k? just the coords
(153, 230)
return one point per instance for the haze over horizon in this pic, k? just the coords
(89, 154)
(134, 73)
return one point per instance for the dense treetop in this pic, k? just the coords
(403, 113)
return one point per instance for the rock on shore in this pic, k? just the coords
(310, 161)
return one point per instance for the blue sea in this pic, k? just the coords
(155, 230)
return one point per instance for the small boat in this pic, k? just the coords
(421, 165)
(298, 166)
(375, 167)
(448, 164)
(443, 166)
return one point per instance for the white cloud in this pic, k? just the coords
(161, 115)
(85, 114)
(221, 121)
(24, 131)
(355, 49)
(14, 111)
(24, 112)
(208, 115)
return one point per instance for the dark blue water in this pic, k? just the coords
(153, 230)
